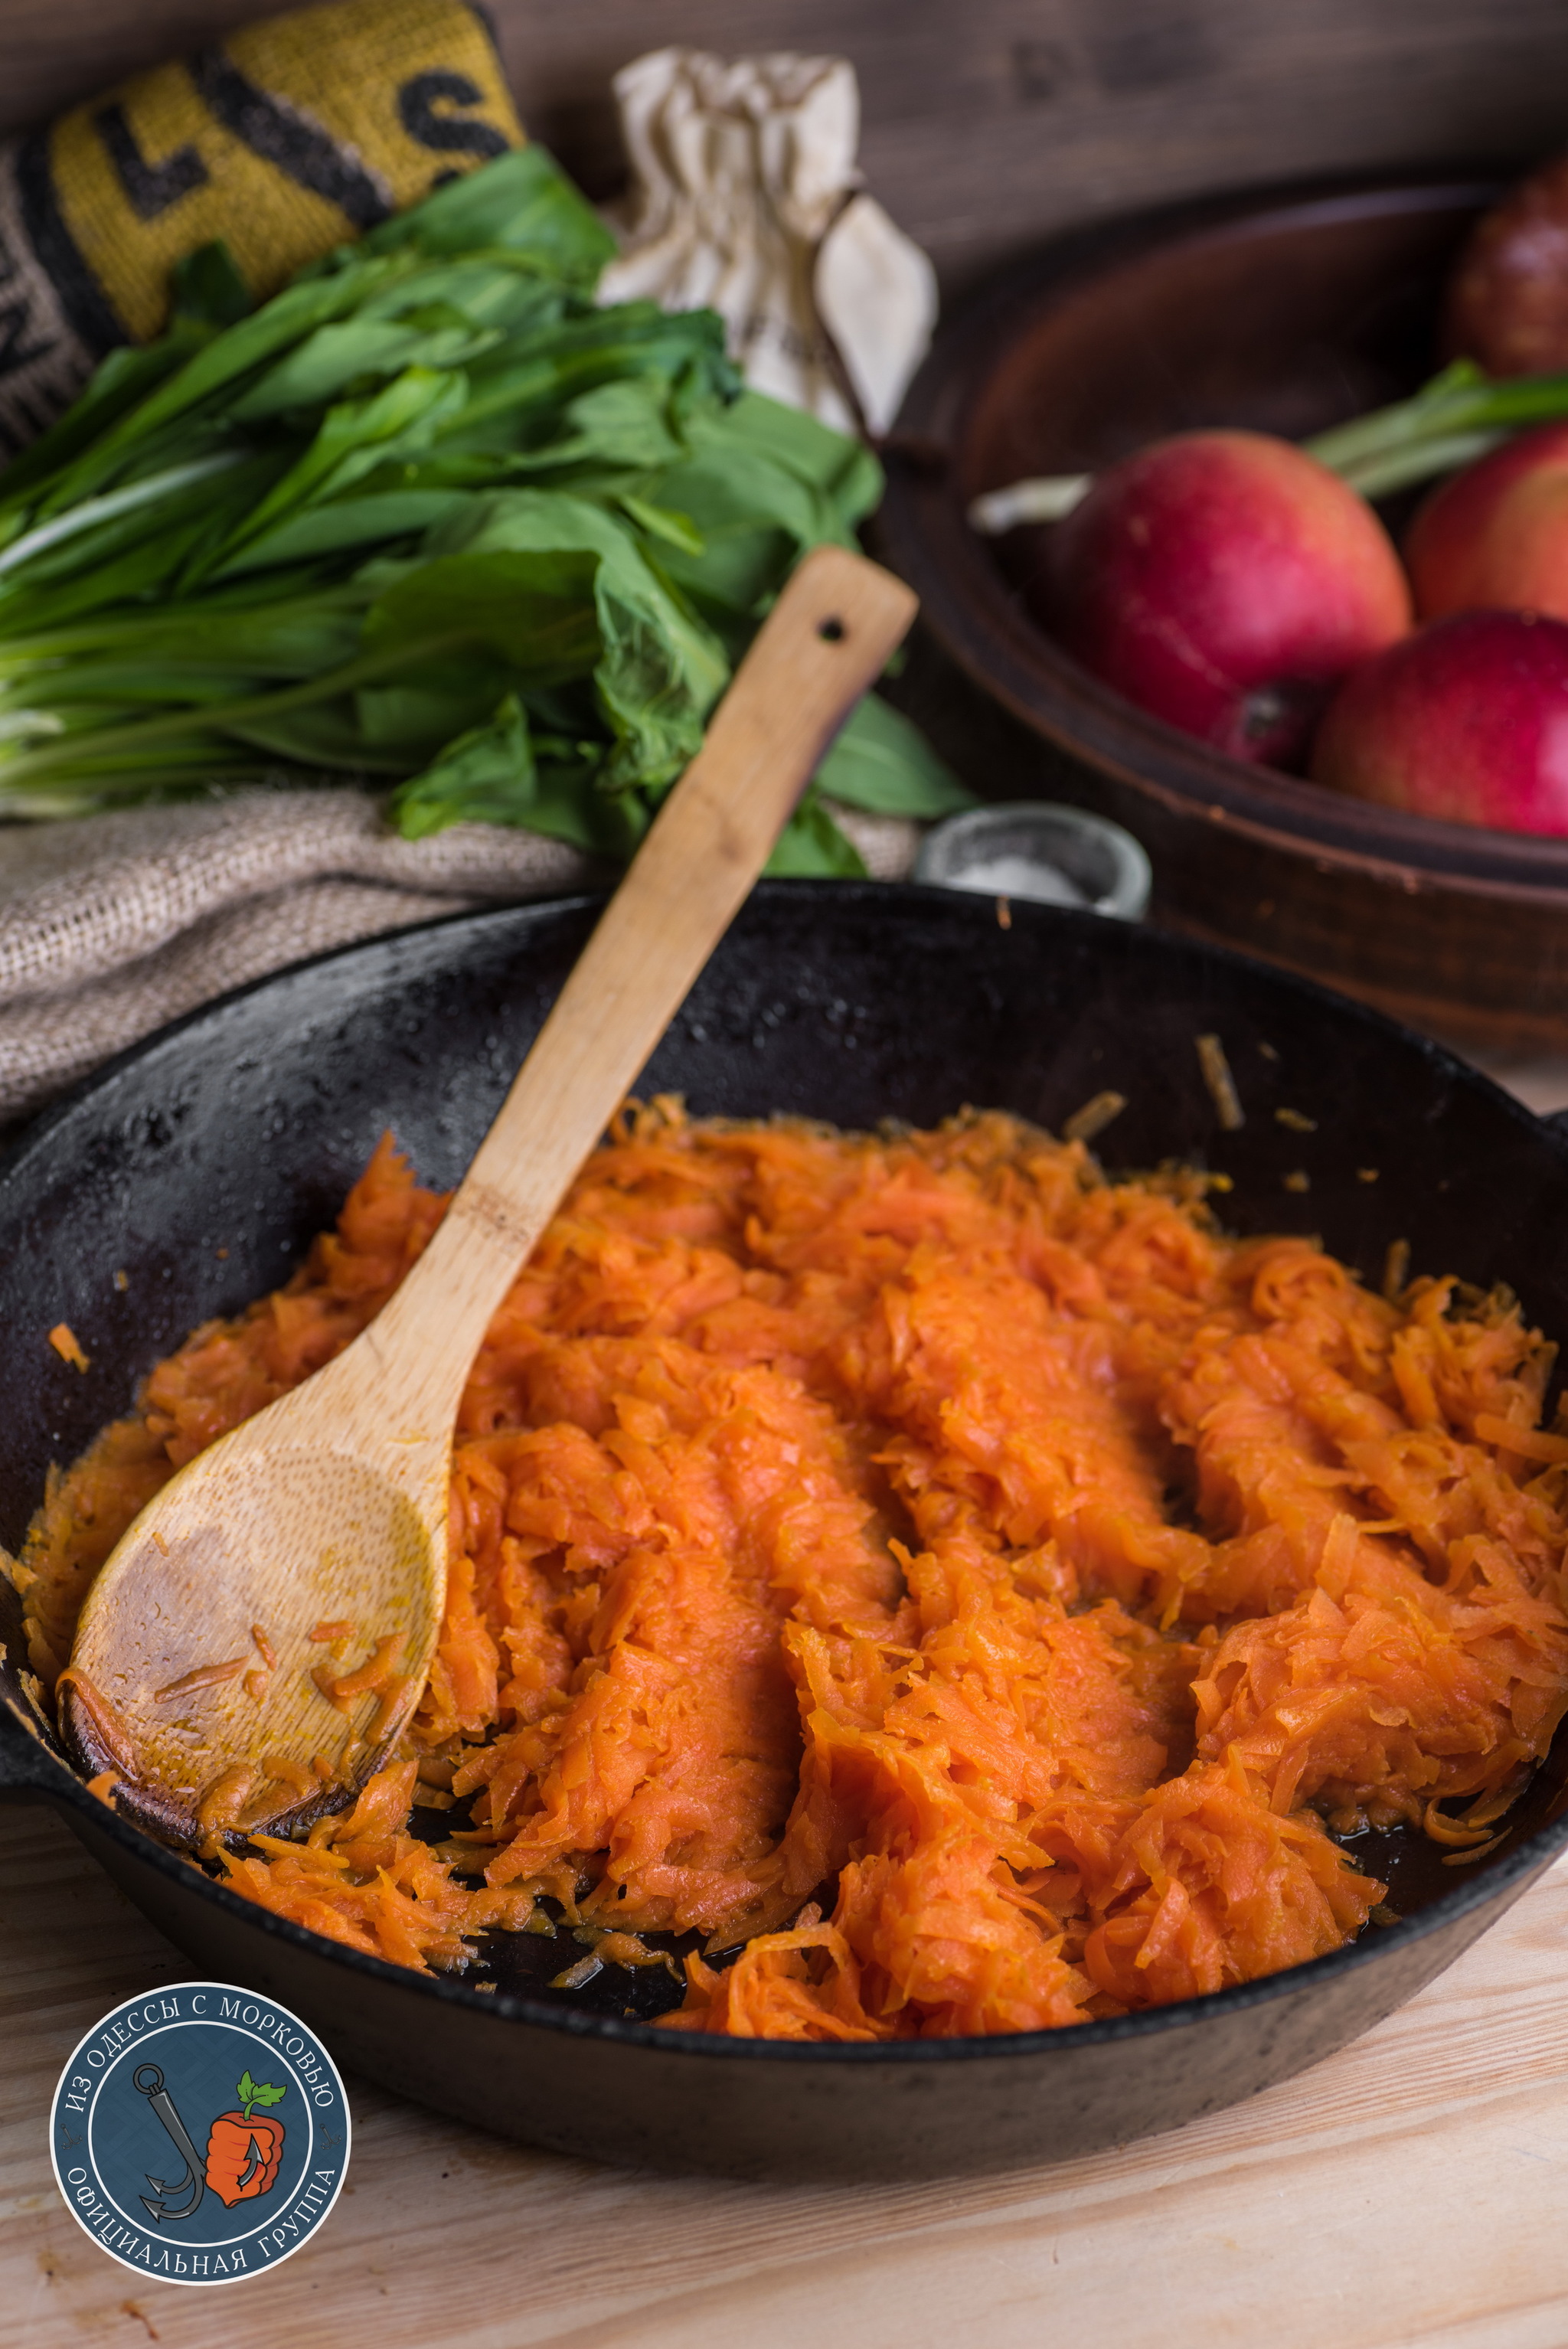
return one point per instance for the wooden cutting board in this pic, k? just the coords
(1412, 2190)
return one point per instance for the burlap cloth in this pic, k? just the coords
(113, 924)
(283, 140)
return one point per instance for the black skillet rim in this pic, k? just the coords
(58, 1782)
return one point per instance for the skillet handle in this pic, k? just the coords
(1556, 1123)
(28, 1771)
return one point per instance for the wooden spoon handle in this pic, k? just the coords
(826, 640)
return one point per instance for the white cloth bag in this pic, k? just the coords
(748, 199)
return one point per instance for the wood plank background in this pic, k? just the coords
(986, 122)
(1408, 2194)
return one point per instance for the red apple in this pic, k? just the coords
(1224, 582)
(1467, 720)
(1496, 535)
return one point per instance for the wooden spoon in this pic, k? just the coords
(195, 1677)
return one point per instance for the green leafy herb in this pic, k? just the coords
(431, 518)
(250, 2095)
(208, 287)
(883, 764)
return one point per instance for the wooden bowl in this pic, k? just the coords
(1286, 312)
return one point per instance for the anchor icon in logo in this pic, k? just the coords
(148, 2081)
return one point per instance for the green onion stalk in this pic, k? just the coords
(1458, 416)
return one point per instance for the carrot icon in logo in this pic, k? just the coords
(242, 2152)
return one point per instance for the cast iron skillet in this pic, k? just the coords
(239, 1129)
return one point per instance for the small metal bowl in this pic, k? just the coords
(1034, 849)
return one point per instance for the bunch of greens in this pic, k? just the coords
(432, 516)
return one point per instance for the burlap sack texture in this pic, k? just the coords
(110, 925)
(286, 139)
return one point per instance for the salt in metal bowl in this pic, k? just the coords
(1034, 849)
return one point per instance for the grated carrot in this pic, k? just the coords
(63, 1338)
(372, 1676)
(1215, 1066)
(966, 1591)
(284, 1771)
(204, 1676)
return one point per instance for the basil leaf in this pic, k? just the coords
(883, 763)
(522, 202)
(812, 848)
(208, 286)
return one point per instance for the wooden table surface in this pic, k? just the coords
(1409, 2191)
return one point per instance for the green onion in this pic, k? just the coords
(1448, 423)
(431, 518)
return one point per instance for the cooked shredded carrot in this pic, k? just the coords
(1477, 1851)
(1102, 1110)
(104, 1785)
(373, 1675)
(1221, 1084)
(110, 1729)
(966, 1591)
(393, 1692)
(204, 1676)
(63, 1338)
(629, 1949)
(222, 1805)
(284, 1771)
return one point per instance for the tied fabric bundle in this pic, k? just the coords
(285, 139)
(749, 202)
